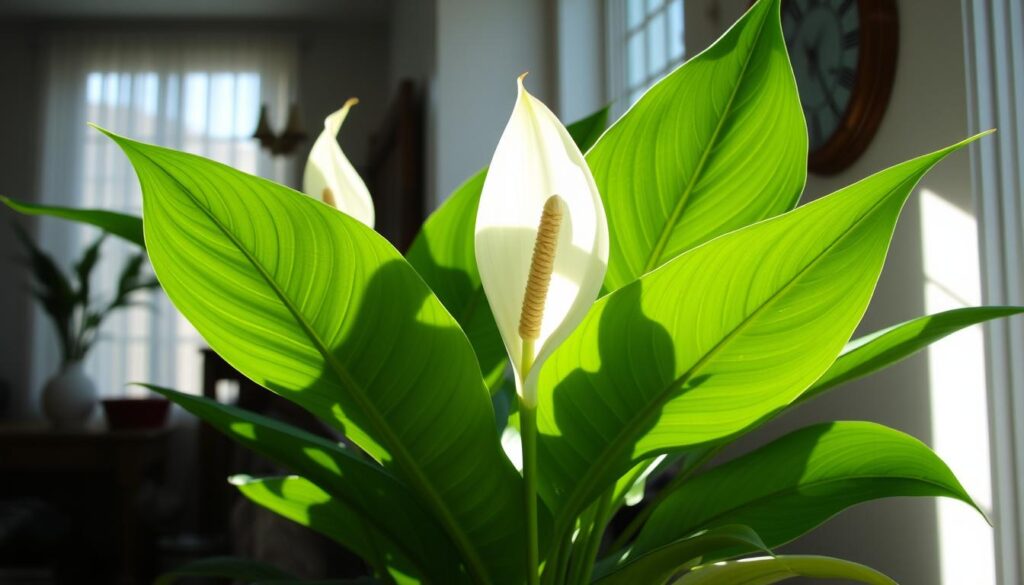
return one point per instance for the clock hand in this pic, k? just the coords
(811, 53)
(820, 76)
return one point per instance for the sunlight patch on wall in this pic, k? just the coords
(956, 369)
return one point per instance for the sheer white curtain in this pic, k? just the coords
(200, 94)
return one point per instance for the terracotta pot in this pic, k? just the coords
(69, 397)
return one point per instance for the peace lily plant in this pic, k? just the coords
(652, 300)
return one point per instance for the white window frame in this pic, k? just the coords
(994, 39)
(619, 33)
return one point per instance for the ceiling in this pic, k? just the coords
(352, 11)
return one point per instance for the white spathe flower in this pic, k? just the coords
(331, 178)
(538, 170)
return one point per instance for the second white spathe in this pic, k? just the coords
(331, 178)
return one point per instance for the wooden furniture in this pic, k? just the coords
(395, 174)
(93, 478)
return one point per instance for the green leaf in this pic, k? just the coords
(714, 340)
(53, 291)
(716, 145)
(304, 503)
(659, 565)
(122, 225)
(795, 483)
(369, 495)
(83, 268)
(883, 348)
(586, 132)
(444, 254)
(320, 309)
(768, 570)
(227, 568)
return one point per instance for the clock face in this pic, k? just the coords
(823, 38)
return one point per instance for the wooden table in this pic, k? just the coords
(35, 458)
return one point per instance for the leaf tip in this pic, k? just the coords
(240, 479)
(974, 138)
(120, 140)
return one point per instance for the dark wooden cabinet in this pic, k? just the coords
(90, 483)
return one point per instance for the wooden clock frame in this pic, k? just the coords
(876, 71)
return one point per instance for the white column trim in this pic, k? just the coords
(994, 39)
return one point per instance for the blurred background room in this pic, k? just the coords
(138, 487)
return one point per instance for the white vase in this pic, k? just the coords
(69, 397)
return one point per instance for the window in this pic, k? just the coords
(645, 41)
(202, 96)
(994, 34)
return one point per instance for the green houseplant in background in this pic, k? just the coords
(656, 299)
(69, 396)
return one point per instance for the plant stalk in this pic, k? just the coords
(528, 434)
(593, 545)
(586, 521)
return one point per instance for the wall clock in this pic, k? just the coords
(844, 56)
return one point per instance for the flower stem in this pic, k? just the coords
(528, 433)
(596, 535)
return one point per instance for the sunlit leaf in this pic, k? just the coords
(716, 145)
(304, 503)
(716, 339)
(795, 483)
(320, 309)
(128, 227)
(883, 348)
(658, 565)
(768, 570)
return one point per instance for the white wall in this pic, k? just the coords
(413, 53)
(335, 63)
(482, 46)
(413, 39)
(928, 110)
(582, 83)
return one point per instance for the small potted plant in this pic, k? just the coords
(70, 396)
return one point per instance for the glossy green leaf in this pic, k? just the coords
(304, 503)
(716, 145)
(586, 132)
(714, 340)
(320, 309)
(795, 483)
(122, 225)
(53, 290)
(444, 255)
(659, 565)
(768, 570)
(883, 348)
(235, 568)
(369, 495)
